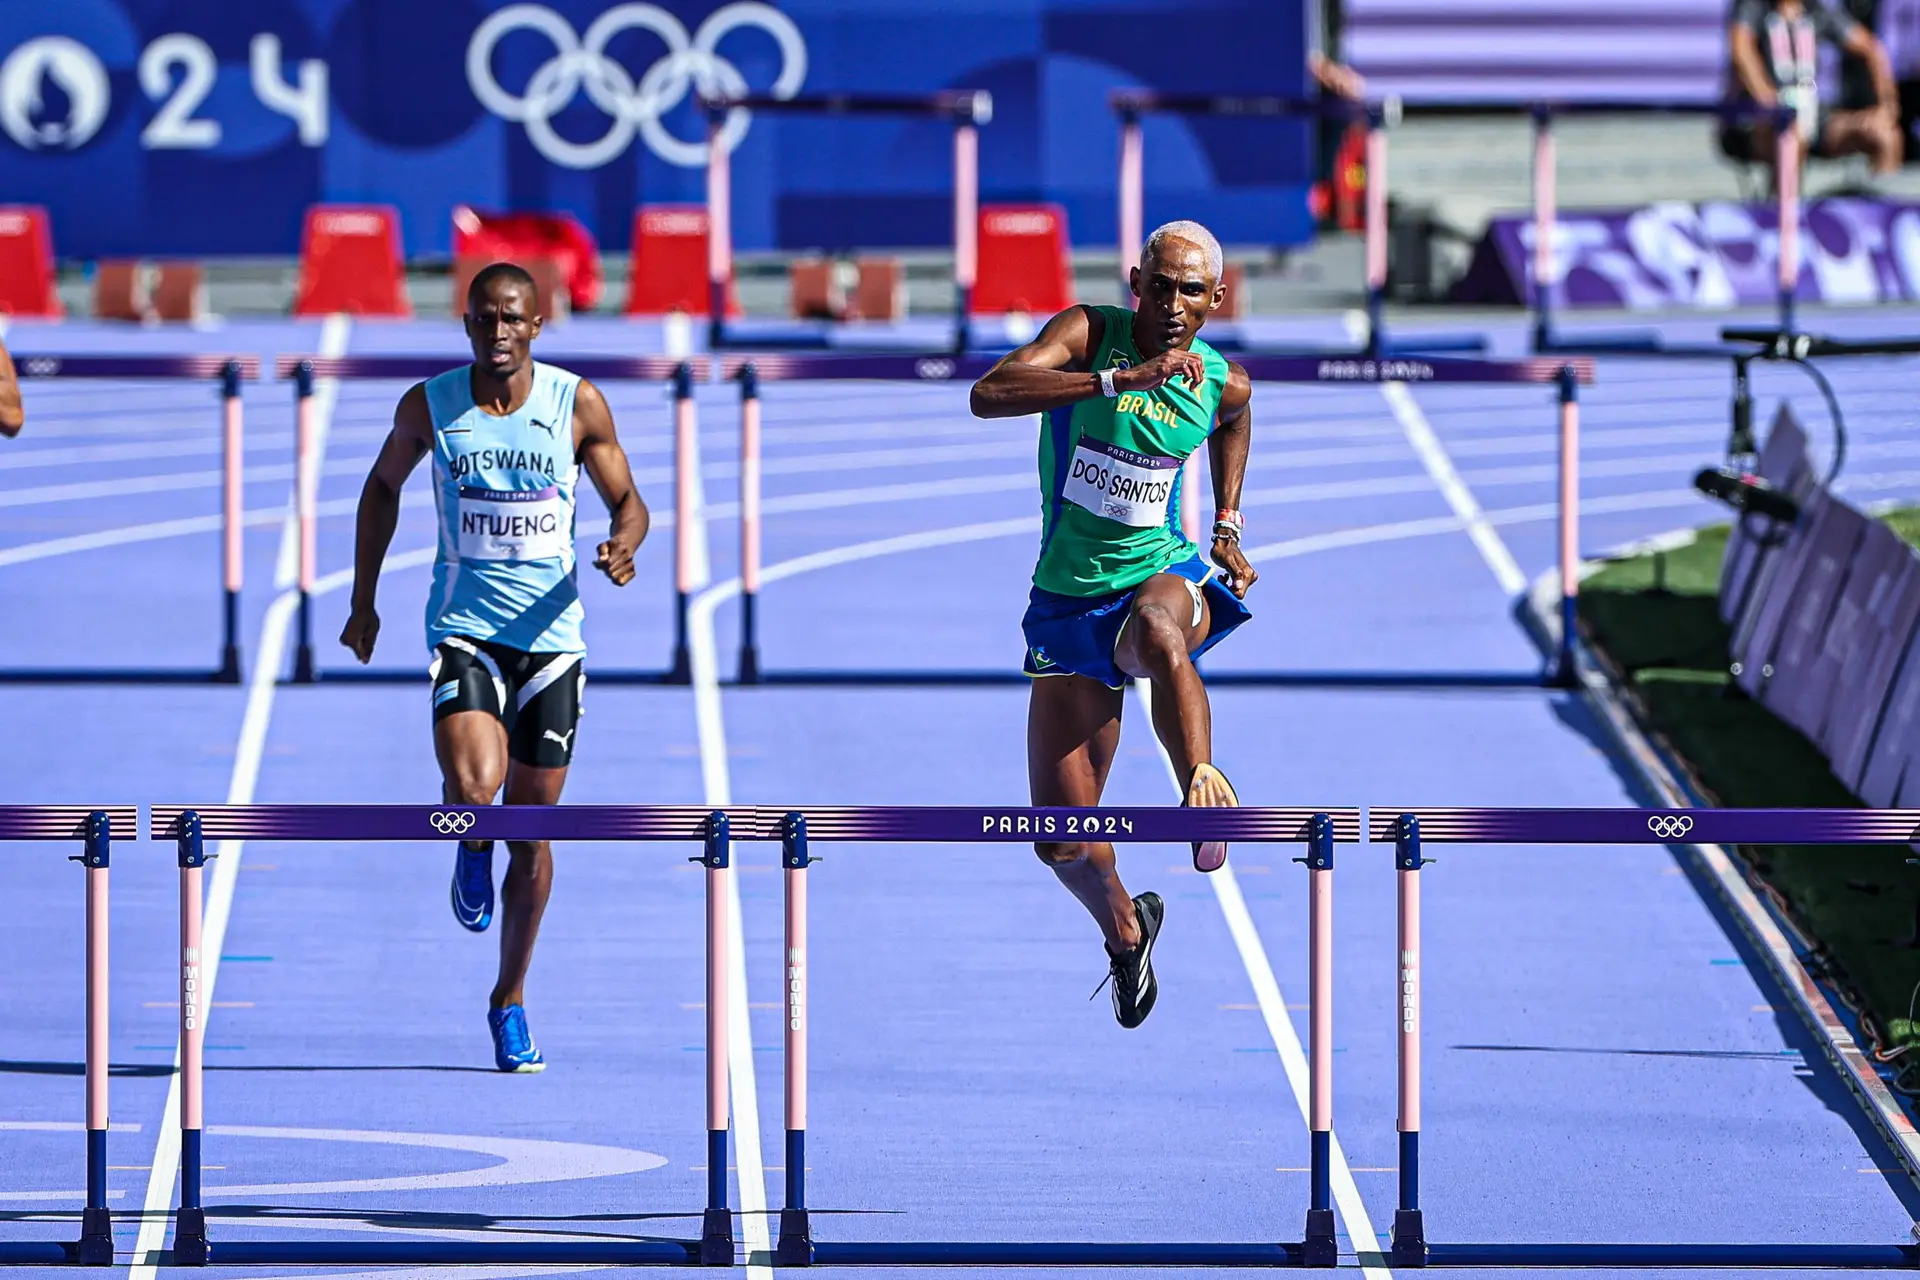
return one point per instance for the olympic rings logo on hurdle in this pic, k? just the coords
(452, 822)
(40, 367)
(933, 370)
(581, 62)
(1669, 826)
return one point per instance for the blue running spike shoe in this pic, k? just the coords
(513, 1047)
(473, 887)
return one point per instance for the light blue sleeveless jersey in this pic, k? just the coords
(504, 489)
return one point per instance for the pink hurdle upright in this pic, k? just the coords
(97, 828)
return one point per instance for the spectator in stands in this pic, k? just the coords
(1774, 52)
(13, 414)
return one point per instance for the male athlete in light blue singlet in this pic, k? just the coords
(508, 438)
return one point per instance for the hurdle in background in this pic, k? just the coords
(1409, 829)
(1565, 374)
(974, 825)
(99, 827)
(967, 109)
(228, 371)
(303, 370)
(1131, 104)
(1546, 263)
(714, 829)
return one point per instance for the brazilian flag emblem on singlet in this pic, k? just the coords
(1110, 473)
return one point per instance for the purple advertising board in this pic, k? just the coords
(1892, 606)
(1798, 689)
(1712, 255)
(1757, 631)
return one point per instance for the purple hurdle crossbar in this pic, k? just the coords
(1407, 829)
(796, 1245)
(97, 827)
(967, 109)
(228, 371)
(191, 827)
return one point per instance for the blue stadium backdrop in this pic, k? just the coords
(202, 127)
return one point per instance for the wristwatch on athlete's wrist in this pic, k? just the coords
(1107, 388)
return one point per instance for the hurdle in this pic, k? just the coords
(1319, 831)
(303, 370)
(1566, 375)
(713, 829)
(1408, 830)
(227, 372)
(966, 109)
(1130, 105)
(1546, 266)
(98, 827)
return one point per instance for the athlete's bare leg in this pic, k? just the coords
(474, 766)
(1160, 634)
(1073, 730)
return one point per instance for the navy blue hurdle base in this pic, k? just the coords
(1852, 1256)
(353, 1253)
(1049, 1254)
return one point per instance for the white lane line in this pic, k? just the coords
(1433, 456)
(1273, 1008)
(270, 656)
(717, 787)
(335, 331)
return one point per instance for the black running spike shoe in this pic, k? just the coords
(1131, 971)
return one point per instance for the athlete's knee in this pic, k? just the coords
(471, 788)
(1061, 853)
(1160, 639)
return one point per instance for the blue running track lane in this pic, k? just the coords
(1602, 1063)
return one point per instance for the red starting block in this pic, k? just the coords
(350, 261)
(26, 263)
(1024, 265)
(670, 262)
(560, 238)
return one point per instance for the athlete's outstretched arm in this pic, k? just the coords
(1053, 370)
(1227, 450)
(406, 444)
(13, 414)
(599, 451)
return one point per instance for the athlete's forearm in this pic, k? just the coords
(630, 519)
(1884, 88)
(379, 513)
(13, 413)
(1015, 389)
(1227, 450)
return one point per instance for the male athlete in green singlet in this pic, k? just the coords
(1119, 592)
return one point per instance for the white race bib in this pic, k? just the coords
(1132, 488)
(513, 524)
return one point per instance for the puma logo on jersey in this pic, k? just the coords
(546, 427)
(564, 740)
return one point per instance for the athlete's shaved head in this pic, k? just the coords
(508, 272)
(1178, 285)
(1194, 234)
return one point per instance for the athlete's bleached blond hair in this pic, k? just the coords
(1192, 233)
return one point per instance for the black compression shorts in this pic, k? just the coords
(535, 695)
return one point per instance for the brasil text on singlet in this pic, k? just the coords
(1110, 473)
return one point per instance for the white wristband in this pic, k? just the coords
(1107, 388)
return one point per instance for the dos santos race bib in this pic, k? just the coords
(1119, 484)
(513, 524)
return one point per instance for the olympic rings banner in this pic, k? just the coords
(206, 129)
